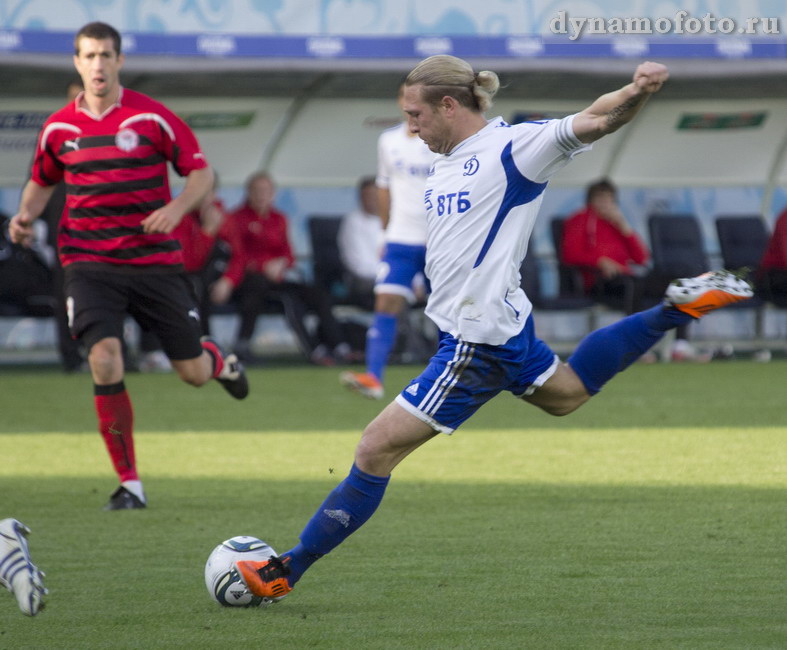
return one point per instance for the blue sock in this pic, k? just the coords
(345, 510)
(604, 353)
(380, 340)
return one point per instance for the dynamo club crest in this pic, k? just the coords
(471, 166)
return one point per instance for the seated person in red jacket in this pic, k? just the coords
(773, 267)
(261, 266)
(599, 241)
(198, 235)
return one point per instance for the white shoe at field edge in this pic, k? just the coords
(18, 574)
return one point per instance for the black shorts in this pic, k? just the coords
(99, 299)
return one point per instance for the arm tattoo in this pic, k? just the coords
(619, 115)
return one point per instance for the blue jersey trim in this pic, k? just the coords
(519, 191)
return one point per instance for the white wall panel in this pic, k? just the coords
(333, 142)
(657, 153)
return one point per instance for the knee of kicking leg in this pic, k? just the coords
(566, 406)
(558, 404)
(561, 394)
(561, 409)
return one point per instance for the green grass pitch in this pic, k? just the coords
(654, 517)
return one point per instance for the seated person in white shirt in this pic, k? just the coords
(360, 242)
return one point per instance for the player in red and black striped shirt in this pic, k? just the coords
(111, 146)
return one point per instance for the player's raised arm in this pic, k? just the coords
(32, 204)
(611, 111)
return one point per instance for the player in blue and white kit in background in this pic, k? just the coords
(403, 161)
(482, 197)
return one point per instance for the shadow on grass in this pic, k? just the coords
(460, 566)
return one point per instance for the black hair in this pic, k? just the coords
(98, 31)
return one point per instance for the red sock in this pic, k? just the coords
(215, 353)
(116, 425)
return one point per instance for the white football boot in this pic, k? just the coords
(18, 574)
(707, 292)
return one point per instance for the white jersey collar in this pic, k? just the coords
(92, 115)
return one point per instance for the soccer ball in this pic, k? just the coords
(222, 579)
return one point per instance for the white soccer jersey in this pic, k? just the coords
(482, 200)
(402, 165)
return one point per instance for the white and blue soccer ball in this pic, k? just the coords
(222, 579)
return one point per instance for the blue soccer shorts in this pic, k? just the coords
(398, 268)
(461, 377)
